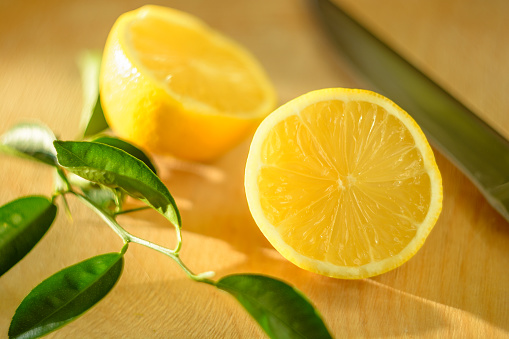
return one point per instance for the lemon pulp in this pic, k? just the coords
(343, 183)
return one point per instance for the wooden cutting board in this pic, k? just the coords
(455, 287)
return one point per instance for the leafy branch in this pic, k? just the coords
(101, 173)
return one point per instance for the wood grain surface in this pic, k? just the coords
(456, 286)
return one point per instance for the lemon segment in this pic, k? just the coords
(343, 182)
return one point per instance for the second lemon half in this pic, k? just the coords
(173, 85)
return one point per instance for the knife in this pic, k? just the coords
(474, 147)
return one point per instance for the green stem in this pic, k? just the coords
(132, 210)
(128, 237)
(178, 233)
(67, 185)
(156, 247)
(202, 277)
(66, 207)
(62, 186)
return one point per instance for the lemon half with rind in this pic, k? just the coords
(343, 182)
(172, 85)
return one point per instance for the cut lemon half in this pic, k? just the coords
(173, 85)
(343, 182)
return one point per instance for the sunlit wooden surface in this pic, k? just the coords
(455, 287)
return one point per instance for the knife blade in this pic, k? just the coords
(473, 146)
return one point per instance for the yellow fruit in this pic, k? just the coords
(343, 182)
(172, 85)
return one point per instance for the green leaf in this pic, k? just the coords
(112, 167)
(281, 310)
(23, 222)
(129, 148)
(65, 296)
(30, 140)
(92, 116)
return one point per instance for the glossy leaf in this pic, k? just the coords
(112, 167)
(92, 116)
(129, 148)
(30, 140)
(66, 295)
(281, 310)
(23, 222)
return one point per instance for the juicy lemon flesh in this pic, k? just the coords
(174, 86)
(343, 183)
(195, 65)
